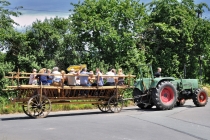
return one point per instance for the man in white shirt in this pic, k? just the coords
(56, 78)
(110, 81)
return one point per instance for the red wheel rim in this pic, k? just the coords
(167, 95)
(202, 97)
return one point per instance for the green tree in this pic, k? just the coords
(42, 45)
(173, 36)
(106, 32)
(6, 33)
(6, 23)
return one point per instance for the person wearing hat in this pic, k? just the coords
(56, 77)
(32, 79)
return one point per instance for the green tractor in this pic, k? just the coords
(166, 92)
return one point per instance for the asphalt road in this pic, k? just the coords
(181, 123)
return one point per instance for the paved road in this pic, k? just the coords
(181, 123)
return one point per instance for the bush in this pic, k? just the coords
(207, 88)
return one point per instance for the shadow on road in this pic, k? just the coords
(91, 113)
(55, 115)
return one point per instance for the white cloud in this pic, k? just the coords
(26, 20)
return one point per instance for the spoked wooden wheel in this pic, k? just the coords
(103, 107)
(115, 104)
(39, 106)
(25, 110)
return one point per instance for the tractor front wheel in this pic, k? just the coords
(200, 97)
(164, 96)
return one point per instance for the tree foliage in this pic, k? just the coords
(6, 23)
(112, 33)
(107, 30)
(176, 35)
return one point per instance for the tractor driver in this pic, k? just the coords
(158, 73)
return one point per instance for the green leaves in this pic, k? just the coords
(107, 29)
(116, 33)
(173, 36)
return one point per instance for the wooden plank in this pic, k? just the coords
(25, 73)
(67, 87)
(81, 102)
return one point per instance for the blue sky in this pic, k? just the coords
(41, 9)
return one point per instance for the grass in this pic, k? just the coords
(10, 108)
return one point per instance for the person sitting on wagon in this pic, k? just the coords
(91, 78)
(64, 77)
(33, 80)
(110, 81)
(121, 77)
(72, 79)
(49, 80)
(42, 77)
(84, 77)
(57, 77)
(98, 79)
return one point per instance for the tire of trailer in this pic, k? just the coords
(200, 97)
(103, 107)
(25, 110)
(39, 106)
(164, 96)
(115, 104)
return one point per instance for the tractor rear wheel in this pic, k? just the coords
(200, 97)
(164, 96)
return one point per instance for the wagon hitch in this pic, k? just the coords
(135, 97)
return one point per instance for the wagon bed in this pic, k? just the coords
(37, 100)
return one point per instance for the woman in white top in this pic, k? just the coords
(33, 80)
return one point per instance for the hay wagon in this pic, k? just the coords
(37, 100)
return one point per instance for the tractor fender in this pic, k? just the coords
(157, 81)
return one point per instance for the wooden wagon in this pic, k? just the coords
(37, 100)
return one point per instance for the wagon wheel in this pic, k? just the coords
(25, 110)
(39, 106)
(103, 107)
(164, 96)
(200, 97)
(115, 104)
